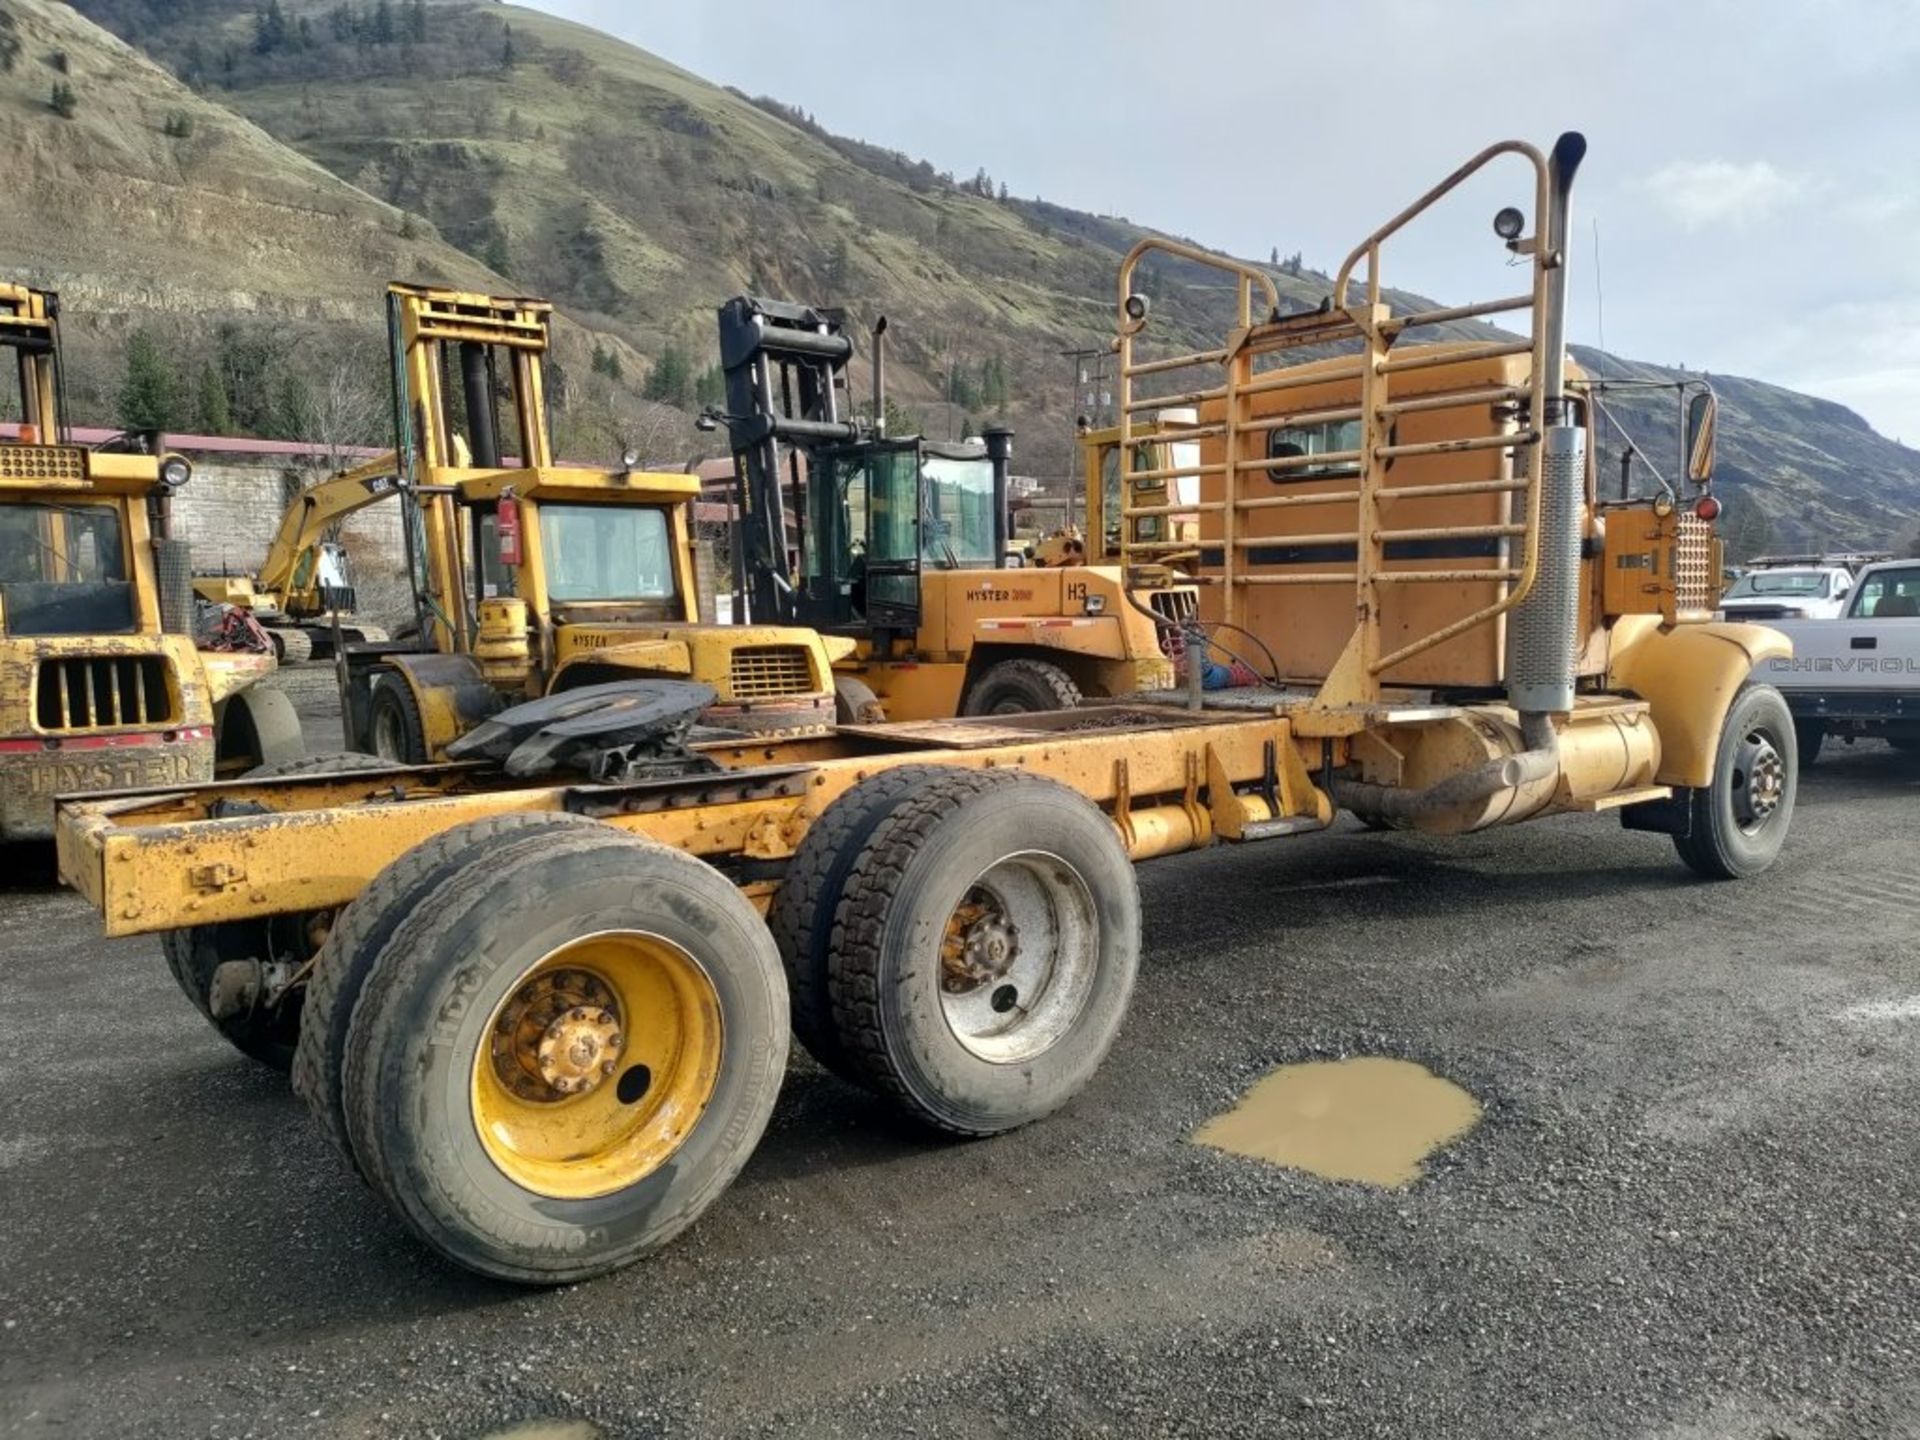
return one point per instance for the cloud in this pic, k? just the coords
(1713, 192)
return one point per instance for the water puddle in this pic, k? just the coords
(1369, 1119)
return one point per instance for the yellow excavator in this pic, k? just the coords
(302, 596)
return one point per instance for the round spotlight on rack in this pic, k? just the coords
(1137, 308)
(1707, 508)
(1509, 223)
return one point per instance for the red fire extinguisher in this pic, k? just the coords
(506, 519)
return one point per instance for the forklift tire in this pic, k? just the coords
(984, 949)
(1020, 687)
(1809, 734)
(565, 1054)
(394, 728)
(358, 936)
(801, 915)
(266, 1032)
(1737, 823)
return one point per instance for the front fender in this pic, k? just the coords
(1688, 675)
(452, 694)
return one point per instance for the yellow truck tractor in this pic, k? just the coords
(101, 684)
(549, 1018)
(302, 595)
(902, 543)
(532, 577)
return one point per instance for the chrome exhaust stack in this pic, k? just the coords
(1541, 642)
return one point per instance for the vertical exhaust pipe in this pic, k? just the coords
(479, 393)
(880, 377)
(1000, 451)
(1541, 643)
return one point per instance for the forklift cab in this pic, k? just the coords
(880, 511)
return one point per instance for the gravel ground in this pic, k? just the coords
(1692, 1208)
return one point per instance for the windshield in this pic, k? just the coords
(63, 570)
(606, 552)
(1803, 583)
(959, 506)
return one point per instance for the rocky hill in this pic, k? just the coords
(336, 143)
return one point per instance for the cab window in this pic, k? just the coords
(606, 552)
(1294, 441)
(1890, 595)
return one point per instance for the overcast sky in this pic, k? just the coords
(1754, 168)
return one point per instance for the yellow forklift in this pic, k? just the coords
(101, 683)
(903, 542)
(531, 577)
(549, 1020)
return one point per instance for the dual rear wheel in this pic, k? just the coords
(550, 1045)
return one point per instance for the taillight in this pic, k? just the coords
(506, 519)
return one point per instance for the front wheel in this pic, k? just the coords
(1738, 821)
(393, 722)
(1021, 687)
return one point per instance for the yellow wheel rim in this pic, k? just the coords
(597, 1064)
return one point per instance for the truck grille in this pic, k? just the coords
(95, 692)
(763, 670)
(1175, 605)
(42, 462)
(1693, 565)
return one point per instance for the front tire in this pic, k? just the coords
(1021, 687)
(565, 1055)
(394, 728)
(1738, 822)
(984, 949)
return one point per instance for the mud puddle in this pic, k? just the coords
(1368, 1119)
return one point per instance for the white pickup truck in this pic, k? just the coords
(1859, 674)
(1788, 592)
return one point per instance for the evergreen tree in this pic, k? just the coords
(269, 28)
(417, 22)
(382, 30)
(710, 387)
(9, 42)
(496, 254)
(150, 395)
(671, 380)
(341, 22)
(607, 362)
(64, 102)
(506, 50)
(212, 412)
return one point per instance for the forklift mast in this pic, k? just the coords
(785, 366)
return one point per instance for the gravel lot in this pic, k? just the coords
(1692, 1208)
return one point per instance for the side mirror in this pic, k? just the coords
(1703, 411)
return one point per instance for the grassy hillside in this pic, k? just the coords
(640, 196)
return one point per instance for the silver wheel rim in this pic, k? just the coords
(1018, 957)
(1759, 781)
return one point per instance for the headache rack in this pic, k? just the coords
(1365, 330)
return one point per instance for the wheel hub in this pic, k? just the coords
(558, 1036)
(1759, 781)
(980, 945)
